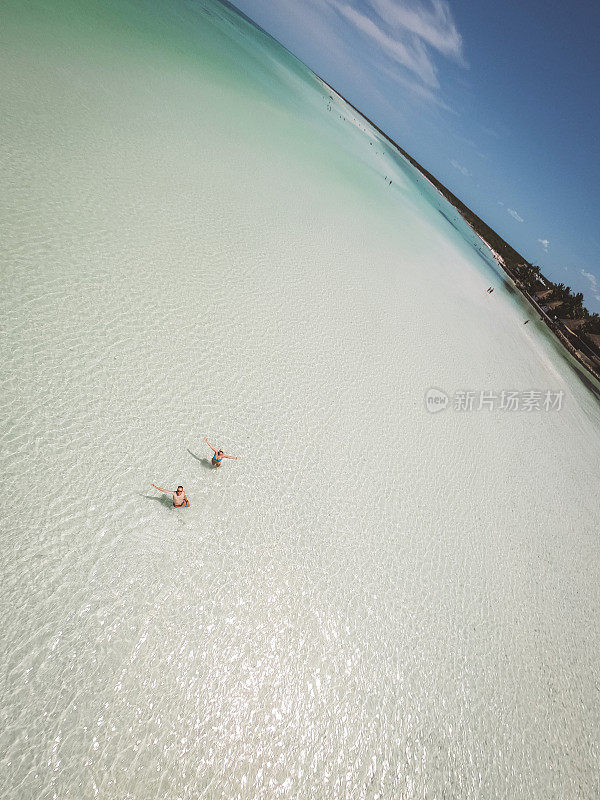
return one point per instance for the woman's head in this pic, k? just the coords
(179, 489)
(220, 453)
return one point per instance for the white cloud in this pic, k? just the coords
(490, 131)
(406, 32)
(460, 167)
(545, 244)
(514, 214)
(415, 87)
(412, 55)
(405, 39)
(593, 282)
(433, 24)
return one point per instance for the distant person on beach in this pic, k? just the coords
(219, 455)
(179, 497)
(526, 321)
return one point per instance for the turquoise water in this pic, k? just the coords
(200, 239)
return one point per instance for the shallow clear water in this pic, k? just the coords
(376, 601)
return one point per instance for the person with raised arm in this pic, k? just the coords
(179, 497)
(219, 455)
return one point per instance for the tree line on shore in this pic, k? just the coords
(569, 305)
(527, 276)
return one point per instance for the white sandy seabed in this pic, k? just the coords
(376, 601)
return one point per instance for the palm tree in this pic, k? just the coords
(592, 324)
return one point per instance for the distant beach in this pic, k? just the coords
(509, 256)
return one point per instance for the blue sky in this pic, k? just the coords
(499, 99)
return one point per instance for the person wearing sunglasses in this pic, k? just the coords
(179, 497)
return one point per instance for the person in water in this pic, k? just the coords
(219, 455)
(179, 497)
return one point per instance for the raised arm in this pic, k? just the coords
(233, 458)
(210, 445)
(164, 491)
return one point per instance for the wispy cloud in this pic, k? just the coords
(514, 214)
(490, 131)
(460, 167)
(407, 34)
(593, 282)
(410, 54)
(407, 40)
(433, 24)
(545, 244)
(415, 87)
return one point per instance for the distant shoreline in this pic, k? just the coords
(505, 255)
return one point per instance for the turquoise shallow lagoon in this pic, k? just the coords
(199, 238)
